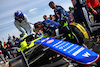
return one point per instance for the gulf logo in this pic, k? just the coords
(50, 41)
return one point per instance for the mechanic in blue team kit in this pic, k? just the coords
(21, 21)
(48, 26)
(62, 17)
(60, 13)
(81, 13)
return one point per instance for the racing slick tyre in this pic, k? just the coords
(80, 33)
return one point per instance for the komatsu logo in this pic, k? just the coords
(86, 54)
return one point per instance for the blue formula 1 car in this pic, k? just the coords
(51, 52)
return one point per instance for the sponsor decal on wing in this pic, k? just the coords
(50, 41)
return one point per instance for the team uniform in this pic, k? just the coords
(48, 26)
(27, 27)
(61, 15)
(81, 13)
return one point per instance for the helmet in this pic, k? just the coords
(18, 14)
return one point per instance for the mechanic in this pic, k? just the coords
(60, 13)
(81, 13)
(48, 26)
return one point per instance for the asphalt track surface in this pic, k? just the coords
(3, 64)
(18, 63)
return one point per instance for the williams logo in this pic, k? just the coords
(86, 54)
(50, 41)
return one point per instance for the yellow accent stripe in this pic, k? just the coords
(81, 28)
(66, 23)
(32, 43)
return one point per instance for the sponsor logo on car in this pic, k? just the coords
(50, 41)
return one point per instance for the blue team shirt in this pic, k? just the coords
(60, 14)
(50, 23)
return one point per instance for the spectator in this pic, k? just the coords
(10, 45)
(6, 51)
(94, 8)
(51, 17)
(1, 54)
(15, 41)
(14, 38)
(45, 17)
(38, 31)
(9, 39)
